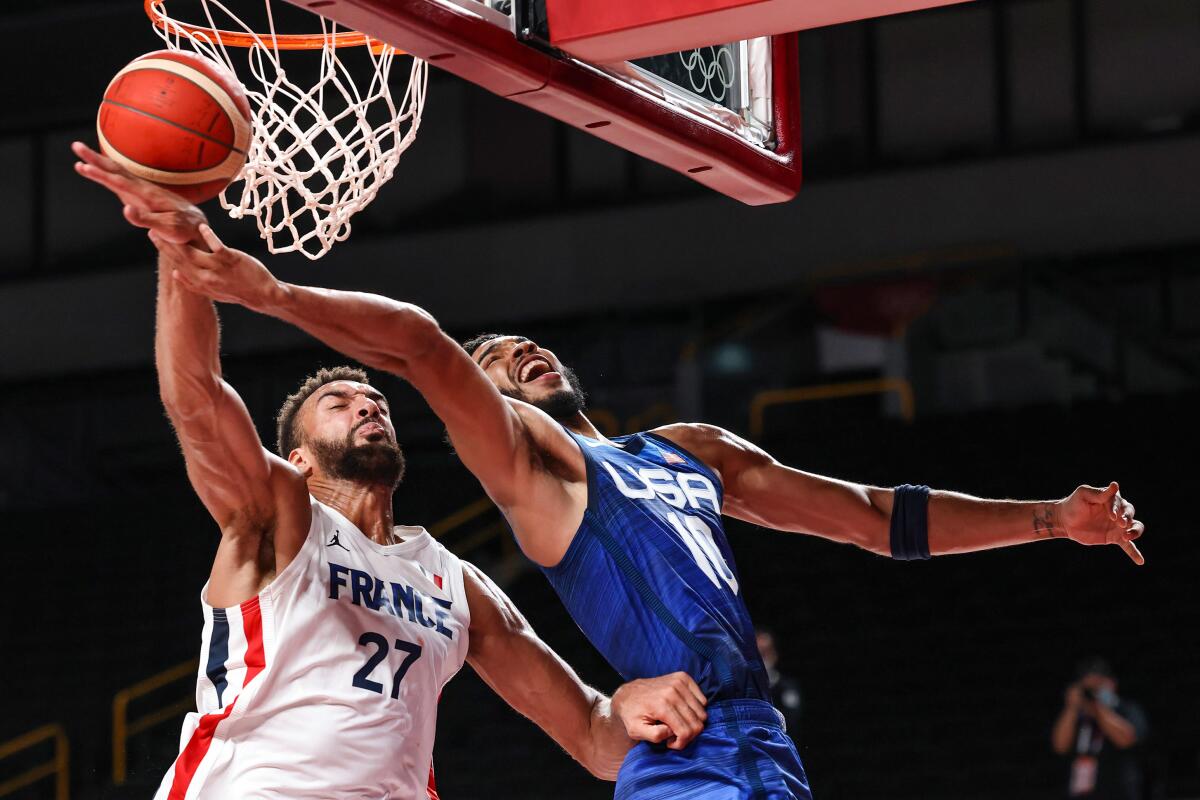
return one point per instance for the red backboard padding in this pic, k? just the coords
(621, 30)
(476, 50)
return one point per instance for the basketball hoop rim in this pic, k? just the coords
(280, 41)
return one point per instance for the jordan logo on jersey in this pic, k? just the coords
(337, 542)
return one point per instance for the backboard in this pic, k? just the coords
(727, 115)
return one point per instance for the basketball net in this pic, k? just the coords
(318, 154)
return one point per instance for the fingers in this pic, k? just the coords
(184, 271)
(692, 687)
(688, 702)
(1122, 511)
(165, 246)
(181, 277)
(668, 709)
(672, 715)
(674, 711)
(693, 718)
(695, 708)
(95, 158)
(173, 226)
(1094, 495)
(115, 182)
(1132, 551)
(209, 237)
(132, 190)
(653, 732)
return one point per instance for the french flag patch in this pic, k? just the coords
(437, 579)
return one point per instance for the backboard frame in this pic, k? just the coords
(477, 43)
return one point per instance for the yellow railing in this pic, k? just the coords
(123, 727)
(59, 767)
(470, 511)
(663, 413)
(465, 514)
(829, 391)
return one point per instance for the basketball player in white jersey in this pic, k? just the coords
(329, 631)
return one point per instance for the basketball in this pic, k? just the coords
(177, 119)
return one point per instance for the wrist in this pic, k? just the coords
(1047, 520)
(614, 704)
(274, 297)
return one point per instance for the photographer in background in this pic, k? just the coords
(1099, 731)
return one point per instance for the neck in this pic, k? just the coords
(369, 507)
(578, 423)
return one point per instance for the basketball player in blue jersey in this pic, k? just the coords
(628, 529)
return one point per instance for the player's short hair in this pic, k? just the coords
(474, 343)
(288, 435)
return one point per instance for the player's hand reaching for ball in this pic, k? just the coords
(147, 205)
(216, 271)
(1091, 515)
(667, 709)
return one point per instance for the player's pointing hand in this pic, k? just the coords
(667, 709)
(1091, 515)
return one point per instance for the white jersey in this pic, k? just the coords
(325, 685)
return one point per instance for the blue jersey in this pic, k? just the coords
(649, 577)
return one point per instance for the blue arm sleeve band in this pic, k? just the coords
(910, 523)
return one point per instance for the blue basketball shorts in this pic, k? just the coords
(742, 754)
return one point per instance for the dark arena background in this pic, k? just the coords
(989, 282)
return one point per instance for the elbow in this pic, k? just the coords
(415, 325)
(599, 752)
(599, 766)
(414, 336)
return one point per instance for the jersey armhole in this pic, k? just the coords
(454, 573)
(296, 565)
(589, 469)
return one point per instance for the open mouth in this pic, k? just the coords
(533, 368)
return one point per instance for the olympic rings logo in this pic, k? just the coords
(710, 70)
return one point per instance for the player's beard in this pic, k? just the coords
(374, 463)
(560, 405)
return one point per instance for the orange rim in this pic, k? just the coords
(282, 41)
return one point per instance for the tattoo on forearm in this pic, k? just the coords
(1043, 522)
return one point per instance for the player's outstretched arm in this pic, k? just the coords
(595, 730)
(493, 437)
(489, 434)
(258, 500)
(759, 489)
